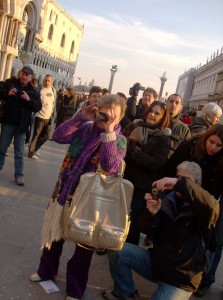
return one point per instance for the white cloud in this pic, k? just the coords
(141, 52)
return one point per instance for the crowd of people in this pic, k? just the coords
(183, 160)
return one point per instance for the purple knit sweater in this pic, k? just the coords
(89, 146)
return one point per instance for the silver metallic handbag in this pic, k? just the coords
(97, 215)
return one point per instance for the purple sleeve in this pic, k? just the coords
(112, 151)
(64, 133)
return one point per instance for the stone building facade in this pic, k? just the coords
(41, 34)
(207, 83)
(185, 85)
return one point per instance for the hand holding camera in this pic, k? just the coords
(153, 205)
(107, 120)
(88, 111)
(24, 96)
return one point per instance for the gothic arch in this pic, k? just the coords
(30, 16)
(50, 32)
(63, 39)
(72, 47)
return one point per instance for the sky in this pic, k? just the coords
(144, 38)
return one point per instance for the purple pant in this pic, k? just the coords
(77, 267)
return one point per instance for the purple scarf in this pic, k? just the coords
(79, 166)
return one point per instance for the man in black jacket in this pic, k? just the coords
(20, 101)
(180, 224)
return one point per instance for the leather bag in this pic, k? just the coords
(97, 214)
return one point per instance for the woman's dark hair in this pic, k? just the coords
(165, 120)
(200, 149)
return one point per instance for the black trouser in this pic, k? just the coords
(41, 133)
(138, 206)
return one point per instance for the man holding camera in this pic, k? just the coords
(135, 111)
(21, 100)
(178, 221)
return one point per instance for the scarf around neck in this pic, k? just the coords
(79, 166)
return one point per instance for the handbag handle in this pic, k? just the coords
(121, 169)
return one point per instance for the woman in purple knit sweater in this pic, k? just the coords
(91, 142)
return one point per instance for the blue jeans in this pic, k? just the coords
(7, 134)
(132, 257)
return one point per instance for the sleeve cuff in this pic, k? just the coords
(108, 137)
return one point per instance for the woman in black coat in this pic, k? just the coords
(207, 150)
(147, 153)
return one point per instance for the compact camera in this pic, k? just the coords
(19, 93)
(101, 116)
(155, 193)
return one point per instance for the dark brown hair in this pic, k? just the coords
(95, 89)
(165, 120)
(200, 149)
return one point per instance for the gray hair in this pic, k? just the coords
(211, 109)
(193, 168)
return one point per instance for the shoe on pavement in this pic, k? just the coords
(35, 277)
(37, 153)
(33, 156)
(19, 180)
(202, 290)
(71, 298)
(110, 295)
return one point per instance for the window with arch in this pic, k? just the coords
(72, 48)
(50, 32)
(25, 15)
(62, 43)
(51, 15)
(56, 20)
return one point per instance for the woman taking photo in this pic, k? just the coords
(207, 150)
(147, 153)
(91, 143)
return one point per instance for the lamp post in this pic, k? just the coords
(113, 70)
(163, 79)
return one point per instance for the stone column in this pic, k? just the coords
(9, 33)
(163, 79)
(8, 68)
(2, 23)
(113, 71)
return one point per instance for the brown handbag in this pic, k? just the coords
(97, 214)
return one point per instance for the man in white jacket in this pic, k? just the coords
(42, 123)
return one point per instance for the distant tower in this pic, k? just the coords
(92, 83)
(113, 71)
(163, 79)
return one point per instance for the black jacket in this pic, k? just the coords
(134, 111)
(199, 125)
(145, 161)
(17, 112)
(178, 255)
(211, 165)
